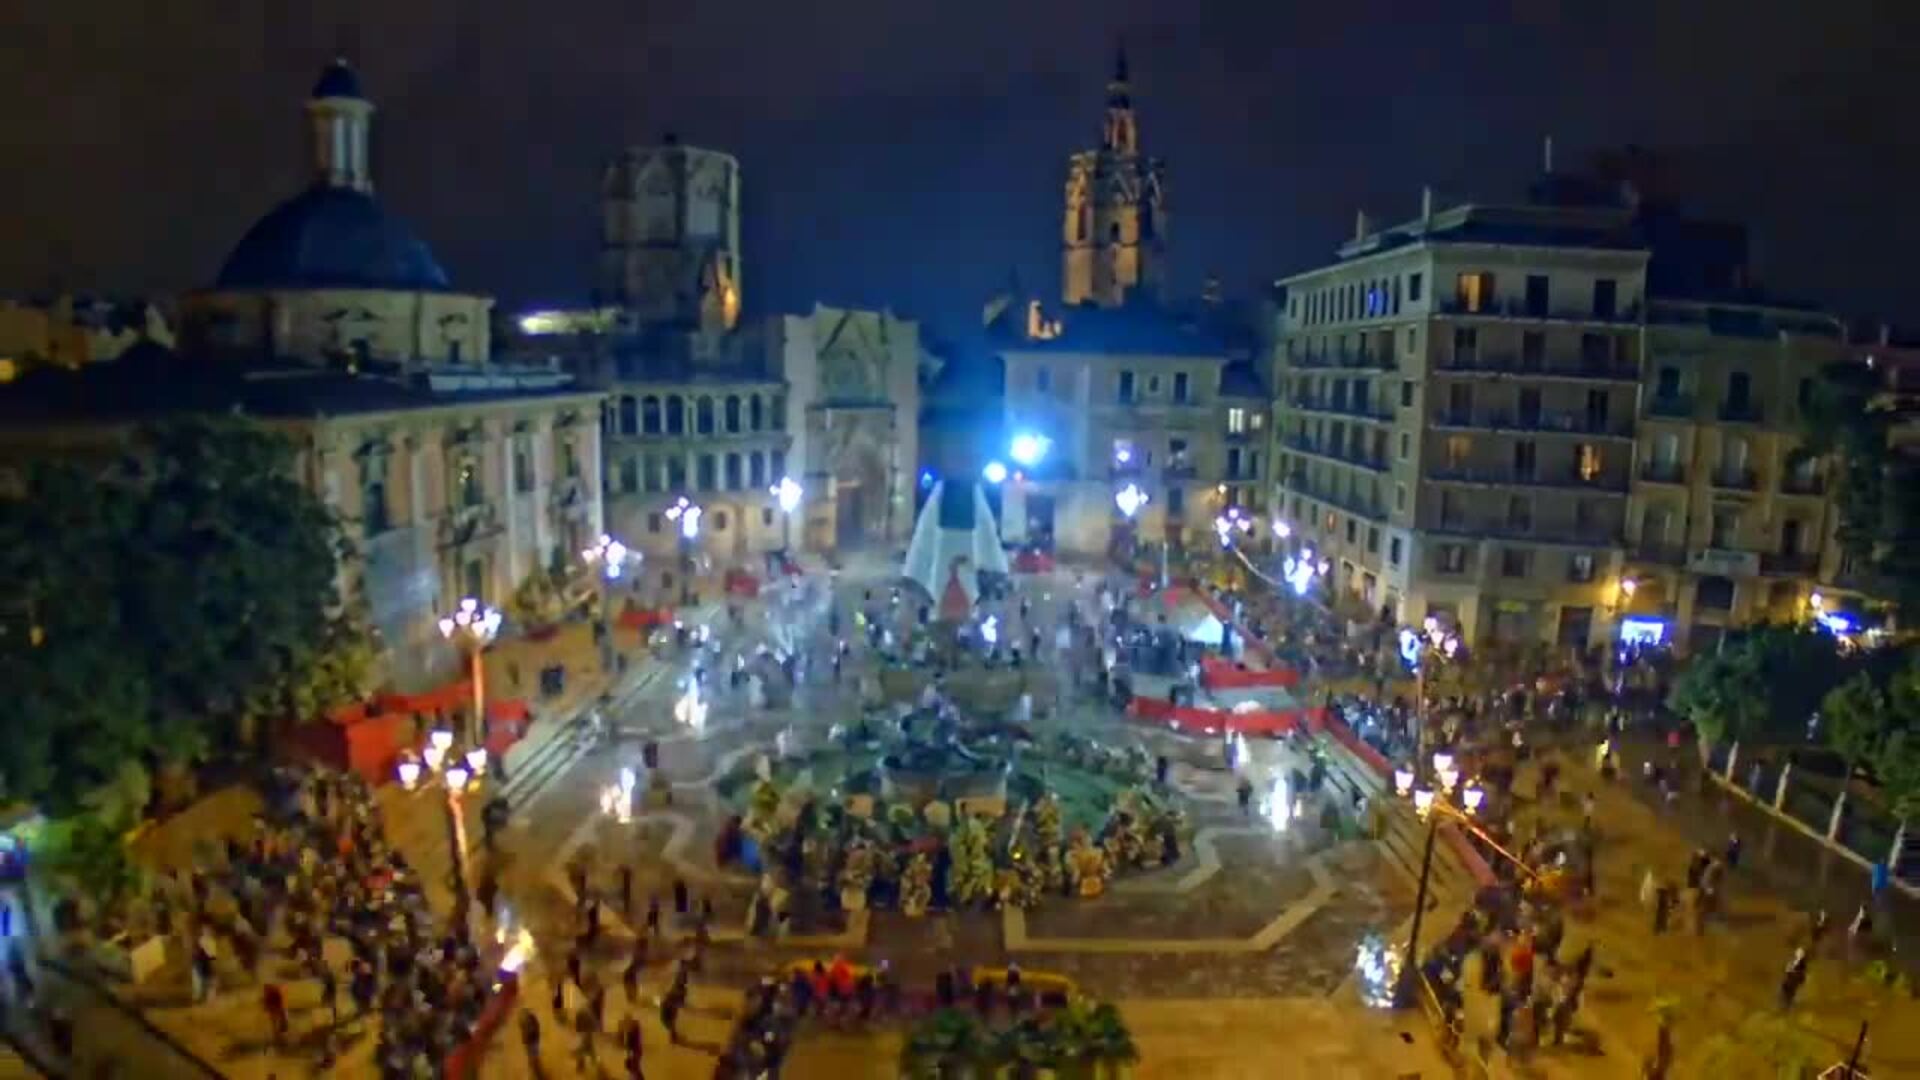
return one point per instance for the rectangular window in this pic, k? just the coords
(1525, 459)
(1176, 502)
(1533, 350)
(1459, 402)
(1580, 567)
(778, 460)
(1180, 383)
(1399, 497)
(1459, 449)
(1373, 540)
(1596, 350)
(1413, 288)
(1537, 296)
(1406, 445)
(1606, 298)
(1520, 513)
(1393, 550)
(1451, 558)
(1586, 462)
(704, 473)
(1236, 420)
(1466, 346)
(1125, 393)
(1474, 292)
(1513, 562)
(766, 515)
(522, 467)
(1406, 393)
(1353, 529)
(653, 523)
(1233, 463)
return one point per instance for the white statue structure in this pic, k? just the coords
(954, 539)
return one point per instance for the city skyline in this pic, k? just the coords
(890, 160)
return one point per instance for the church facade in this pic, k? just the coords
(454, 474)
(713, 407)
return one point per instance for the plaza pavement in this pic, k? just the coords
(1724, 983)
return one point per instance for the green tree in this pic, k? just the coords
(1857, 720)
(1761, 684)
(165, 602)
(1876, 488)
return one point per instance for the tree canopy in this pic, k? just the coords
(180, 596)
(1873, 720)
(1762, 683)
(1876, 488)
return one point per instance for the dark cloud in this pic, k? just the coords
(910, 151)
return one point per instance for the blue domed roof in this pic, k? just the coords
(338, 80)
(331, 237)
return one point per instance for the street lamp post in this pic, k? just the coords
(1431, 809)
(1435, 644)
(471, 627)
(456, 774)
(685, 513)
(608, 557)
(787, 493)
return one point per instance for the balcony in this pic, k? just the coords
(1371, 410)
(1512, 478)
(1741, 412)
(1349, 361)
(1663, 472)
(1672, 406)
(1659, 553)
(1544, 422)
(1790, 563)
(1734, 479)
(1319, 449)
(1179, 470)
(1500, 364)
(462, 525)
(1520, 309)
(1595, 536)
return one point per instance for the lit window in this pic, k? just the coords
(1236, 421)
(1587, 459)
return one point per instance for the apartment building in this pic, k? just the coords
(1730, 520)
(1129, 397)
(1454, 417)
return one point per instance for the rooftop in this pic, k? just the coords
(332, 238)
(1134, 330)
(149, 382)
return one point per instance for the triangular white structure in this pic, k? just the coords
(954, 539)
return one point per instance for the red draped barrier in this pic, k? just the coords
(635, 618)
(1213, 721)
(741, 583)
(1032, 562)
(451, 696)
(1218, 674)
(464, 1061)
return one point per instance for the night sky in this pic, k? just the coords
(910, 152)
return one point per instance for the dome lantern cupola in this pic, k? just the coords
(339, 118)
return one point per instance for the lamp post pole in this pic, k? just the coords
(788, 494)
(471, 626)
(685, 514)
(608, 558)
(1405, 992)
(457, 779)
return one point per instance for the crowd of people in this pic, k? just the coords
(256, 914)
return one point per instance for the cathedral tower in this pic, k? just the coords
(670, 235)
(1114, 233)
(339, 117)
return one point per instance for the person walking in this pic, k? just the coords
(670, 1013)
(274, 1000)
(530, 1039)
(1733, 851)
(1791, 980)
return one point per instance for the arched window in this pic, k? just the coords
(676, 415)
(733, 472)
(628, 416)
(650, 415)
(703, 416)
(1113, 232)
(757, 468)
(779, 411)
(733, 414)
(756, 413)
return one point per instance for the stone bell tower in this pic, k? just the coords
(1114, 230)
